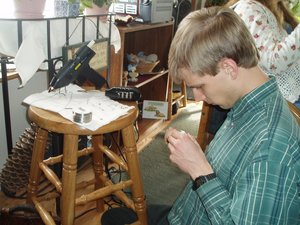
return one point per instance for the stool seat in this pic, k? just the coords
(65, 185)
(56, 123)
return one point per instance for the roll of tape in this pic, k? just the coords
(82, 115)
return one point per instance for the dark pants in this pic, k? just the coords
(157, 215)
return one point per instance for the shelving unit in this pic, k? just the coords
(149, 38)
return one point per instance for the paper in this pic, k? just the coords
(104, 110)
(31, 53)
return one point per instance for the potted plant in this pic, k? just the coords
(94, 6)
(29, 8)
(92, 3)
(295, 8)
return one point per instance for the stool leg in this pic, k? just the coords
(183, 92)
(134, 173)
(170, 97)
(38, 153)
(69, 179)
(97, 141)
(203, 126)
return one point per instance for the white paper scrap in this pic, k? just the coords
(104, 110)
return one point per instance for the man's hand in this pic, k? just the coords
(186, 153)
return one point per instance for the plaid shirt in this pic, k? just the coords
(256, 156)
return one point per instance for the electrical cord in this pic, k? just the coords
(112, 172)
(85, 212)
(118, 147)
(135, 126)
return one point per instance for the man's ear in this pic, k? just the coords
(230, 67)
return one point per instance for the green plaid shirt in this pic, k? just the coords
(256, 156)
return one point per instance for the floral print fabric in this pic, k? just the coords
(279, 51)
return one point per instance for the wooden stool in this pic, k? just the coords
(203, 137)
(51, 122)
(182, 98)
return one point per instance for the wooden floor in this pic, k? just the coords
(87, 214)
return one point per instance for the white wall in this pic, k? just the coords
(38, 83)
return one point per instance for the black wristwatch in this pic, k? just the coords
(201, 180)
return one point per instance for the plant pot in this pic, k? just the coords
(95, 10)
(62, 8)
(29, 8)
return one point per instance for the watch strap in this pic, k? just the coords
(202, 180)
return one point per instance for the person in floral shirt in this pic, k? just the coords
(279, 51)
(269, 22)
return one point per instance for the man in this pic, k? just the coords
(250, 173)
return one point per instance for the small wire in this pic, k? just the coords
(85, 212)
(118, 147)
(54, 65)
(110, 203)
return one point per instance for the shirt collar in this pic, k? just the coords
(254, 100)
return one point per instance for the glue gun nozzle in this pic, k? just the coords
(50, 89)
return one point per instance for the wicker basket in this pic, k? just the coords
(146, 67)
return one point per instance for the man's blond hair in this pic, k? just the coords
(206, 36)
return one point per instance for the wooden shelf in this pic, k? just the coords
(133, 27)
(146, 78)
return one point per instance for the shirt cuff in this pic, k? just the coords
(213, 194)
